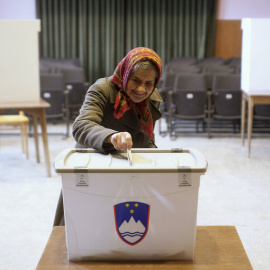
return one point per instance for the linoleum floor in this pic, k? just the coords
(234, 191)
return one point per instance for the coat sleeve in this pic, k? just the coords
(87, 128)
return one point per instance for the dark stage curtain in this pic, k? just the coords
(101, 32)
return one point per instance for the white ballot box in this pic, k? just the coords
(117, 211)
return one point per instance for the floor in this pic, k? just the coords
(234, 191)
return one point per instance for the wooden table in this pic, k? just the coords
(251, 99)
(37, 110)
(217, 247)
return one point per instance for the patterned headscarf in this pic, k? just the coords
(120, 77)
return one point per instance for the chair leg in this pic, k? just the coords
(209, 110)
(209, 127)
(67, 123)
(159, 126)
(67, 111)
(172, 129)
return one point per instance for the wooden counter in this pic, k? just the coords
(217, 247)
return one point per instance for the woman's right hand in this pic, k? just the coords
(121, 141)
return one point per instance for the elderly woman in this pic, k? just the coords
(120, 112)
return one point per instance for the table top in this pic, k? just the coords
(217, 247)
(41, 103)
(257, 93)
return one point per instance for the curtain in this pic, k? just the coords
(101, 32)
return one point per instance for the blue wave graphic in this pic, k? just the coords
(132, 234)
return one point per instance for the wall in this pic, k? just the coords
(17, 9)
(228, 29)
(239, 9)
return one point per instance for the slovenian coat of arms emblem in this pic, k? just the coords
(131, 221)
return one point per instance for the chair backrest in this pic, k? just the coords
(52, 90)
(233, 60)
(184, 60)
(69, 61)
(211, 60)
(226, 82)
(168, 85)
(185, 69)
(76, 93)
(190, 96)
(219, 69)
(227, 96)
(262, 111)
(51, 81)
(169, 80)
(52, 62)
(72, 74)
(190, 104)
(211, 71)
(190, 82)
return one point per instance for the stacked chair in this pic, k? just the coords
(75, 90)
(187, 101)
(261, 117)
(166, 93)
(226, 99)
(52, 90)
(67, 76)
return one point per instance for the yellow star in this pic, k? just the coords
(131, 211)
(136, 205)
(127, 205)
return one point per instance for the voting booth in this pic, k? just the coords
(255, 79)
(115, 210)
(19, 65)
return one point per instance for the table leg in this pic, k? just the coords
(43, 125)
(25, 131)
(35, 124)
(243, 120)
(250, 122)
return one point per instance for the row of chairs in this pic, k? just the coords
(233, 63)
(186, 97)
(209, 67)
(63, 86)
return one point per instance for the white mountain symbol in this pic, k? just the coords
(132, 231)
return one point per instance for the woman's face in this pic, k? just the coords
(141, 84)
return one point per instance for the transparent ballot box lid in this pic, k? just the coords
(88, 160)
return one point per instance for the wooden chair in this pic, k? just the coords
(20, 121)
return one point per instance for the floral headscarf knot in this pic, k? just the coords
(120, 78)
